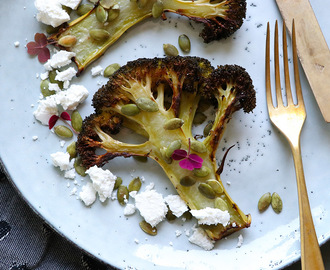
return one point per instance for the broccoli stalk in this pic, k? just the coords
(220, 19)
(188, 81)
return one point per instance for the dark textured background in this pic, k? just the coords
(27, 243)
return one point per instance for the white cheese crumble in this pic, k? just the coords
(176, 205)
(97, 70)
(44, 76)
(70, 3)
(65, 75)
(50, 12)
(72, 97)
(88, 194)
(211, 216)
(152, 206)
(103, 181)
(129, 209)
(70, 174)
(240, 241)
(54, 87)
(34, 138)
(62, 160)
(200, 238)
(47, 107)
(59, 59)
(16, 44)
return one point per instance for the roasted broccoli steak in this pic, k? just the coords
(158, 98)
(90, 36)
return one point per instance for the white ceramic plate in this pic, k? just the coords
(260, 162)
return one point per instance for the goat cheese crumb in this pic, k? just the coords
(16, 44)
(200, 238)
(47, 107)
(62, 160)
(54, 87)
(97, 70)
(65, 75)
(34, 138)
(70, 3)
(176, 205)
(152, 206)
(211, 216)
(72, 97)
(59, 59)
(178, 233)
(44, 76)
(70, 174)
(103, 181)
(240, 241)
(51, 12)
(129, 209)
(88, 194)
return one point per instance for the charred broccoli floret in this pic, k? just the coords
(136, 96)
(88, 37)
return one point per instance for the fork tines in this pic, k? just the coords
(279, 97)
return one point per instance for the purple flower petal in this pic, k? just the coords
(196, 160)
(179, 154)
(65, 116)
(186, 164)
(52, 121)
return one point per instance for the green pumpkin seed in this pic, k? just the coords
(264, 201)
(206, 190)
(147, 228)
(146, 104)
(101, 14)
(141, 158)
(170, 50)
(198, 147)
(84, 8)
(157, 9)
(76, 121)
(199, 118)
(63, 131)
(99, 34)
(164, 156)
(118, 182)
(207, 129)
(202, 172)
(216, 185)
(52, 75)
(276, 203)
(67, 41)
(110, 70)
(113, 13)
(44, 88)
(122, 194)
(67, 9)
(93, 1)
(187, 181)
(169, 215)
(135, 184)
(130, 109)
(107, 3)
(220, 204)
(173, 123)
(172, 147)
(52, 30)
(142, 3)
(203, 105)
(184, 43)
(187, 215)
(80, 169)
(71, 149)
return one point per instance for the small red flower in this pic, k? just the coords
(53, 119)
(39, 47)
(188, 161)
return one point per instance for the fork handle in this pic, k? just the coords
(311, 257)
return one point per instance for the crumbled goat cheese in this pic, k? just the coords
(103, 181)
(97, 70)
(70, 174)
(176, 205)
(88, 194)
(152, 206)
(240, 241)
(211, 216)
(54, 87)
(133, 194)
(51, 12)
(74, 191)
(34, 138)
(178, 233)
(59, 59)
(65, 75)
(70, 3)
(44, 76)
(72, 97)
(16, 44)
(62, 143)
(47, 107)
(62, 160)
(200, 238)
(150, 186)
(129, 209)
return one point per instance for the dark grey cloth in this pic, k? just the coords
(27, 243)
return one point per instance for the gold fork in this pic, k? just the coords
(289, 119)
